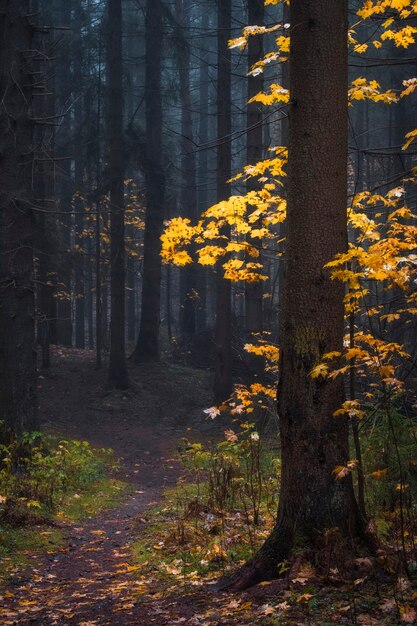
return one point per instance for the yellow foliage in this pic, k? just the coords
(362, 89)
(277, 94)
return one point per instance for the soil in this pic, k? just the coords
(91, 581)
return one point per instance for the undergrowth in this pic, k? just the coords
(45, 481)
(218, 514)
(224, 506)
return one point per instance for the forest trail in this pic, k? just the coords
(91, 581)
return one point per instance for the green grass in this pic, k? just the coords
(107, 493)
(18, 547)
(96, 492)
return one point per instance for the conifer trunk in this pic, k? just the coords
(189, 275)
(117, 377)
(147, 347)
(223, 329)
(313, 441)
(254, 150)
(17, 306)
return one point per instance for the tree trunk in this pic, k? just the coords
(79, 163)
(313, 441)
(43, 187)
(63, 89)
(203, 164)
(17, 307)
(223, 329)
(117, 377)
(147, 346)
(189, 275)
(254, 150)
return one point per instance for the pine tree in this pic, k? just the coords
(17, 309)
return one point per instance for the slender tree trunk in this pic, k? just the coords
(254, 150)
(202, 172)
(17, 307)
(45, 223)
(188, 288)
(79, 260)
(117, 377)
(63, 90)
(313, 441)
(98, 220)
(223, 330)
(131, 301)
(147, 346)
(99, 295)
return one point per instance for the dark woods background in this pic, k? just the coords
(120, 115)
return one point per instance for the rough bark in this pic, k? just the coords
(43, 191)
(17, 307)
(254, 153)
(203, 164)
(79, 165)
(223, 328)
(117, 376)
(313, 441)
(189, 275)
(147, 346)
(63, 89)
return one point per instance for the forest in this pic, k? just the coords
(208, 312)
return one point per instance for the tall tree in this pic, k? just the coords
(313, 441)
(147, 346)
(117, 377)
(43, 191)
(17, 309)
(255, 131)
(189, 275)
(223, 330)
(63, 89)
(79, 166)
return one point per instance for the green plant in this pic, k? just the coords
(38, 471)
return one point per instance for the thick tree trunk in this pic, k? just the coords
(223, 329)
(117, 377)
(313, 441)
(17, 308)
(147, 346)
(254, 153)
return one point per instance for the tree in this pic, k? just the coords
(189, 276)
(147, 346)
(63, 88)
(223, 329)
(79, 166)
(255, 130)
(17, 309)
(313, 440)
(45, 229)
(117, 377)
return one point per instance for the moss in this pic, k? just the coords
(307, 340)
(18, 547)
(106, 493)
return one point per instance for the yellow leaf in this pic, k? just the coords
(320, 371)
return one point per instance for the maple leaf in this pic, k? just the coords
(320, 371)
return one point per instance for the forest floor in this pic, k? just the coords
(92, 580)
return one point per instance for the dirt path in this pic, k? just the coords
(92, 581)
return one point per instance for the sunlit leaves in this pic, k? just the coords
(362, 89)
(277, 94)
